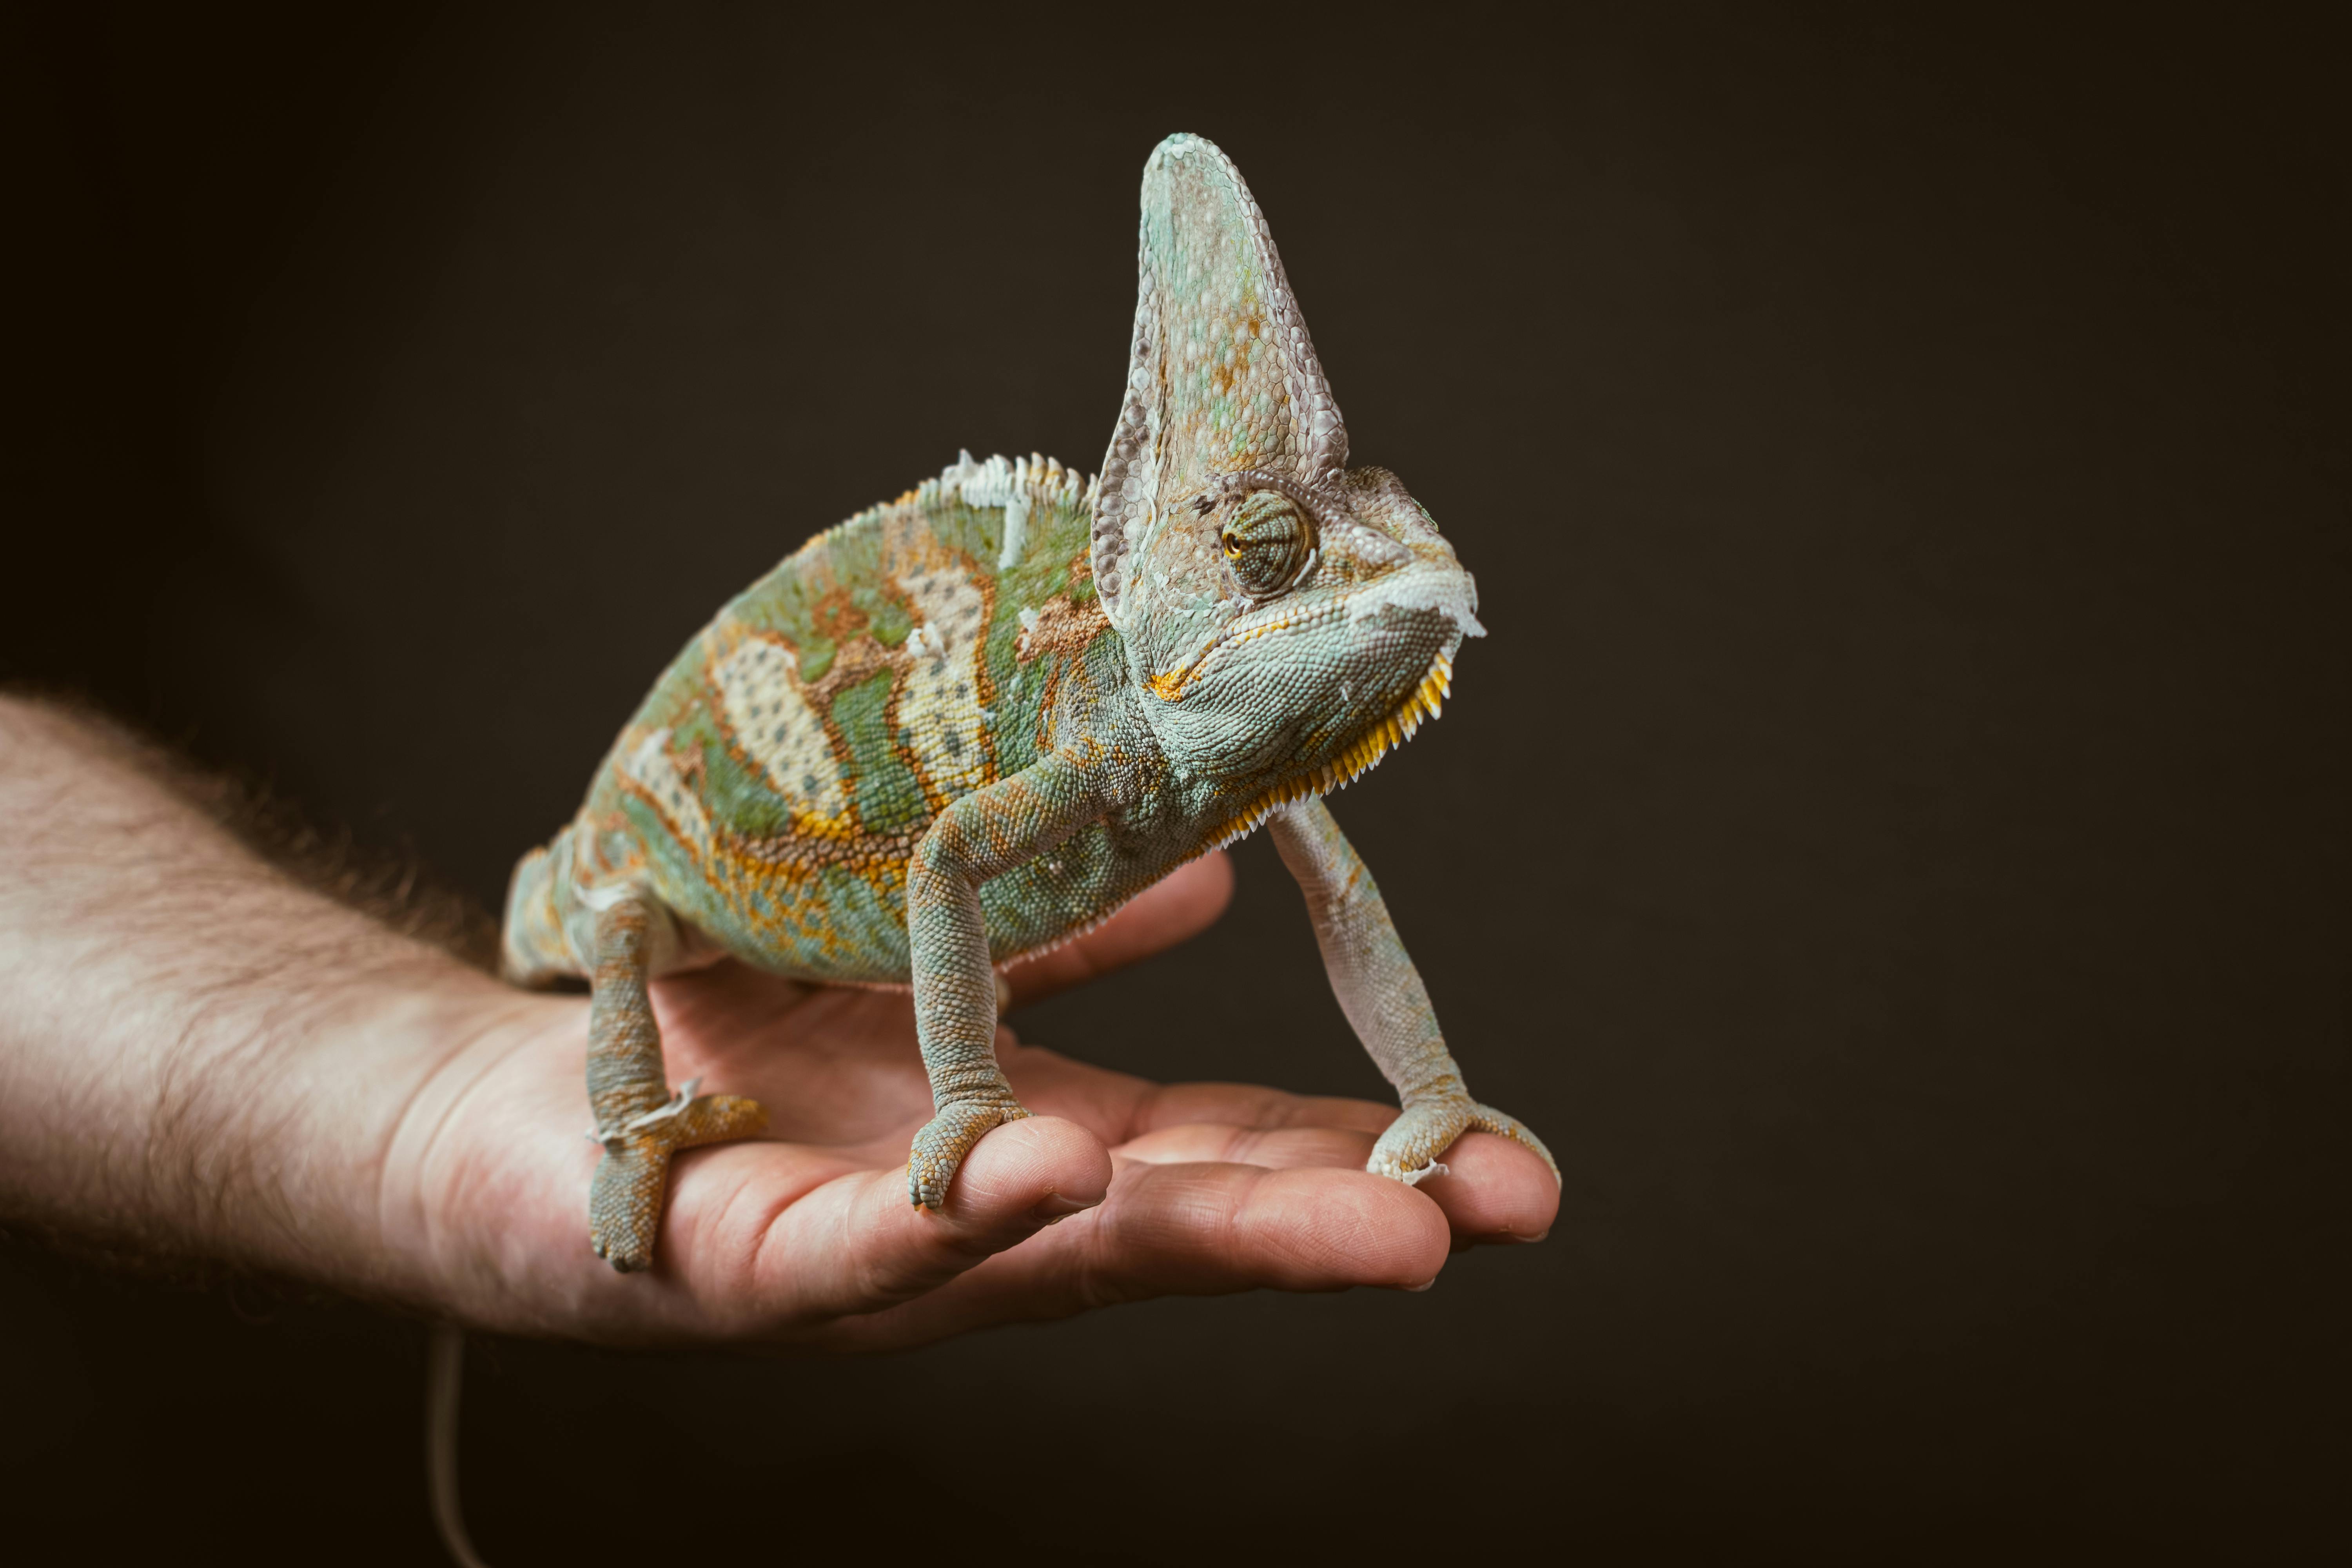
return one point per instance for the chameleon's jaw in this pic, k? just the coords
(1357, 758)
(1426, 703)
(1304, 695)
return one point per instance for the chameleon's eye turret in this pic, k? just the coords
(1269, 543)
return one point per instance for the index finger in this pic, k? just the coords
(1187, 1230)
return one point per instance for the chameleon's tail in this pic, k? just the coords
(532, 950)
(445, 1376)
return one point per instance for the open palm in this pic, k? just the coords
(1116, 1189)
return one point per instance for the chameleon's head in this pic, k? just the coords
(1288, 618)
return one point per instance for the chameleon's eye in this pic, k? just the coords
(1268, 542)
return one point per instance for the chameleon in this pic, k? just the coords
(968, 725)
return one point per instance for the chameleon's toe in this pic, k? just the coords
(718, 1119)
(945, 1140)
(624, 1199)
(1408, 1151)
(624, 1203)
(1487, 1119)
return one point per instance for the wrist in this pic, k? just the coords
(199, 1056)
(323, 1123)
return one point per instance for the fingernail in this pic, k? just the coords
(1053, 1208)
(1525, 1240)
(1424, 1284)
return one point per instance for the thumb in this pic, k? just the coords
(857, 1245)
(1179, 905)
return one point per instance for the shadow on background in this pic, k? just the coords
(1891, 846)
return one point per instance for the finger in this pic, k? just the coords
(854, 1245)
(1120, 1106)
(1191, 1230)
(1255, 1105)
(1276, 1148)
(1494, 1190)
(1179, 905)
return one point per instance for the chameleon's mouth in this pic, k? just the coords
(1447, 592)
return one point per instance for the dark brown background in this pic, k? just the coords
(1891, 844)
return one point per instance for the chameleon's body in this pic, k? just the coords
(967, 725)
(772, 787)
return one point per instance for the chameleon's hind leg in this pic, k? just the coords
(638, 1120)
(1382, 996)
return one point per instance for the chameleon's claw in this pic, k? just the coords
(1408, 1151)
(945, 1140)
(675, 1105)
(624, 1199)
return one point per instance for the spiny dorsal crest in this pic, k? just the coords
(1006, 481)
(1016, 484)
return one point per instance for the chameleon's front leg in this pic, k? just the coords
(1382, 996)
(640, 1123)
(981, 835)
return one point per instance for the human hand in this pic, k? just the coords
(1116, 1189)
(202, 1057)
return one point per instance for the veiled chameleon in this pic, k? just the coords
(969, 724)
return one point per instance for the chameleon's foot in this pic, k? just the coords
(943, 1142)
(1408, 1151)
(624, 1200)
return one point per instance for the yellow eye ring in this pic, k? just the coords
(1231, 542)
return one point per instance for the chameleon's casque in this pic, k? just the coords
(970, 723)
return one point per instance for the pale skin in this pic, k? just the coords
(199, 1057)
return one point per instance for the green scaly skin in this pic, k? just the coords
(971, 723)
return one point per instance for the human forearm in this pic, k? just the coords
(179, 1020)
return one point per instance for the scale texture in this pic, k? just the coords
(972, 722)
